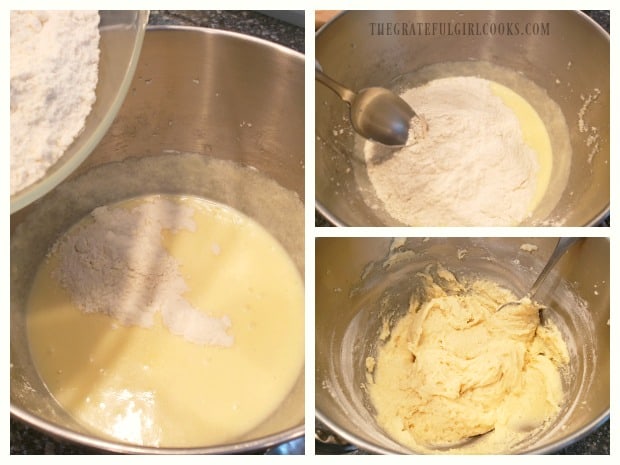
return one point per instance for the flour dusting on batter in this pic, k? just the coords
(115, 263)
(472, 168)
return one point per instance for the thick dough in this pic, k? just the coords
(454, 367)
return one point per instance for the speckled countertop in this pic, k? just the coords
(26, 440)
(245, 22)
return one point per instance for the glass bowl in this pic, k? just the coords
(122, 33)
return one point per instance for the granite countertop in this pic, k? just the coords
(245, 22)
(26, 440)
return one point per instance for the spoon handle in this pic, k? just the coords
(344, 93)
(561, 247)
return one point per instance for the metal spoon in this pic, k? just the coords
(561, 247)
(376, 113)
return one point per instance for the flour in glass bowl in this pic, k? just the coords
(54, 73)
(473, 167)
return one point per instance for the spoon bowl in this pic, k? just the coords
(377, 114)
(380, 115)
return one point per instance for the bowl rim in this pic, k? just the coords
(545, 449)
(336, 221)
(84, 439)
(223, 32)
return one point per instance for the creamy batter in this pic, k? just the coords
(453, 367)
(150, 385)
(535, 136)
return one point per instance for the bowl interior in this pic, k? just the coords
(559, 62)
(122, 33)
(204, 117)
(353, 286)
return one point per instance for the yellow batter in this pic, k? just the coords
(147, 386)
(534, 134)
(453, 367)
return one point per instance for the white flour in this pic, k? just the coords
(472, 168)
(116, 265)
(593, 136)
(54, 72)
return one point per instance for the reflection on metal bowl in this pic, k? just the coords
(198, 96)
(561, 63)
(354, 280)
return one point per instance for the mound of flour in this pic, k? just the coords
(54, 72)
(472, 168)
(115, 263)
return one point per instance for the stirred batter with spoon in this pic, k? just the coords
(456, 375)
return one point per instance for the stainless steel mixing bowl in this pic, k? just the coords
(570, 63)
(122, 33)
(219, 95)
(355, 281)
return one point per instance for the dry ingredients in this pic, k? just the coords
(54, 73)
(118, 266)
(472, 168)
(592, 132)
(454, 367)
